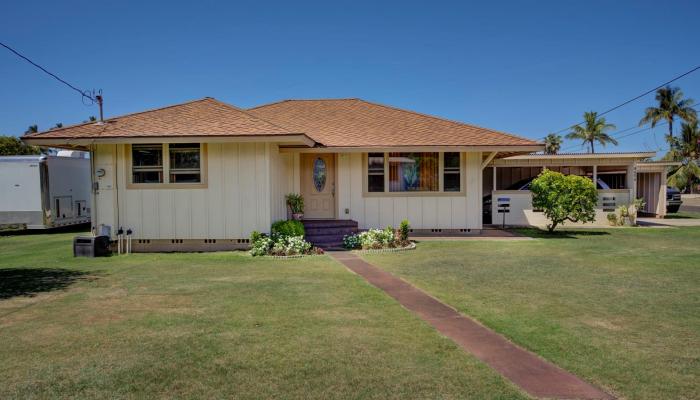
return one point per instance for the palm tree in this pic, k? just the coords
(32, 129)
(552, 143)
(671, 105)
(686, 149)
(594, 130)
(59, 125)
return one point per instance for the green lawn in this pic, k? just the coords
(620, 308)
(684, 215)
(217, 325)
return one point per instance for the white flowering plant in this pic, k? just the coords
(373, 239)
(280, 245)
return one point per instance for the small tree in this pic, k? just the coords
(13, 146)
(564, 198)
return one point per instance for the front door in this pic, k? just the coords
(318, 185)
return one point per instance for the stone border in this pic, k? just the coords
(290, 257)
(411, 246)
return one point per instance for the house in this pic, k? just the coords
(204, 174)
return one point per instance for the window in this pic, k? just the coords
(168, 165)
(375, 172)
(451, 172)
(185, 160)
(147, 163)
(413, 172)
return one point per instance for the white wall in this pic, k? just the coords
(424, 212)
(521, 213)
(285, 179)
(237, 199)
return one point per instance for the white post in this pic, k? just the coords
(595, 175)
(493, 189)
(632, 181)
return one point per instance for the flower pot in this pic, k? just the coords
(297, 216)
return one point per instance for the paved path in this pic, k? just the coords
(668, 222)
(534, 375)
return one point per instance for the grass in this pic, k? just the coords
(216, 325)
(684, 215)
(618, 307)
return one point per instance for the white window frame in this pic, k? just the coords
(166, 184)
(441, 177)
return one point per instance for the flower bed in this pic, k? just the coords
(281, 243)
(409, 246)
(379, 239)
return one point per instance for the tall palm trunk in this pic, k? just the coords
(670, 129)
(592, 148)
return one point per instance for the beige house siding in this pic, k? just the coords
(461, 211)
(285, 179)
(236, 201)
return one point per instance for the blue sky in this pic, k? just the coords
(523, 67)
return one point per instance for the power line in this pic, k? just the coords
(616, 135)
(83, 93)
(636, 98)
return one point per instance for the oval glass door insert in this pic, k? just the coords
(319, 174)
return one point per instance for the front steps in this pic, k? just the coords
(328, 233)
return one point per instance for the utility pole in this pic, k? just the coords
(98, 98)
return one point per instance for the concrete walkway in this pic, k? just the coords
(534, 375)
(668, 222)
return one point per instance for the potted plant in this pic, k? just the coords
(295, 202)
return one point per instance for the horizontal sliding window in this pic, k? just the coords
(414, 172)
(167, 164)
(147, 163)
(185, 163)
(375, 172)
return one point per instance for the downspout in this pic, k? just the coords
(116, 185)
(94, 186)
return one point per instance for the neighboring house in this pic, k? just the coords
(204, 174)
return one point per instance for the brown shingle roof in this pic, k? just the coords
(359, 123)
(204, 117)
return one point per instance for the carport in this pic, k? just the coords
(620, 177)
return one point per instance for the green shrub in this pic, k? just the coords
(622, 213)
(290, 246)
(288, 228)
(403, 230)
(261, 246)
(281, 246)
(564, 198)
(295, 202)
(255, 236)
(612, 219)
(377, 238)
(352, 241)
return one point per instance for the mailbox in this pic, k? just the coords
(503, 204)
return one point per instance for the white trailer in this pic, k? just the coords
(42, 192)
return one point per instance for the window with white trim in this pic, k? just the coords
(174, 163)
(452, 181)
(375, 172)
(414, 172)
(147, 163)
(185, 162)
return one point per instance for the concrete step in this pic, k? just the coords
(329, 223)
(345, 230)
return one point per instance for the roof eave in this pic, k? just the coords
(85, 142)
(520, 149)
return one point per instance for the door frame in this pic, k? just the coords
(335, 181)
